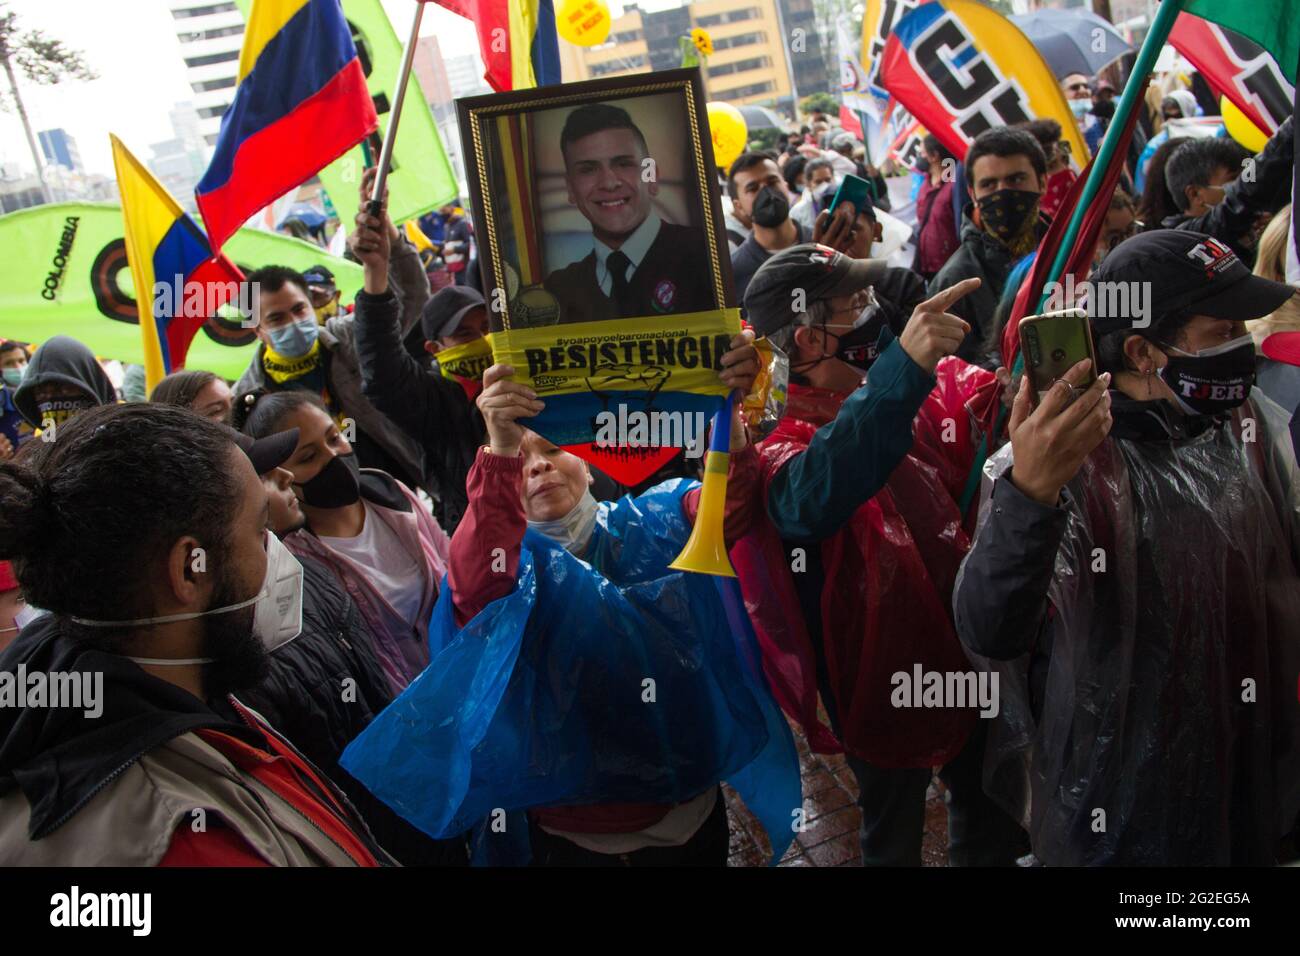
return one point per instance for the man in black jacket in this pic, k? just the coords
(1007, 173)
(640, 265)
(324, 686)
(433, 408)
(1223, 192)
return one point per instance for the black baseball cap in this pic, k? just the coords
(269, 452)
(1187, 272)
(443, 313)
(318, 275)
(819, 271)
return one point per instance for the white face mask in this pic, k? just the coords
(23, 618)
(573, 531)
(277, 619)
(820, 195)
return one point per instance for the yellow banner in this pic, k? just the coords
(467, 361)
(621, 355)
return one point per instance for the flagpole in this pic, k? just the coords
(375, 206)
(1137, 80)
(1142, 67)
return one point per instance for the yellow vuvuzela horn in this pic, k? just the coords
(706, 548)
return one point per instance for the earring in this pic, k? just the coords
(1146, 373)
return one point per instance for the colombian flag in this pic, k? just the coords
(178, 282)
(516, 39)
(301, 103)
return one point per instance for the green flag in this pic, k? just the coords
(421, 177)
(64, 271)
(1273, 24)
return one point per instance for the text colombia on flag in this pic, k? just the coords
(300, 104)
(170, 259)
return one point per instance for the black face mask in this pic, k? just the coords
(1214, 380)
(336, 485)
(1009, 216)
(858, 347)
(771, 208)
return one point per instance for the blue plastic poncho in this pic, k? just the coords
(612, 681)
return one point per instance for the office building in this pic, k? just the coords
(60, 149)
(211, 35)
(756, 49)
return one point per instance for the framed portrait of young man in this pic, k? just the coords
(602, 251)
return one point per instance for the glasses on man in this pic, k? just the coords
(1079, 88)
(1115, 238)
(860, 301)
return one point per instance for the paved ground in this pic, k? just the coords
(830, 836)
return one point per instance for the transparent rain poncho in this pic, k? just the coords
(1142, 744)
(542, 698)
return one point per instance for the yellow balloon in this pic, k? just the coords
(1240, 127)
(730, 133)
(583, 22)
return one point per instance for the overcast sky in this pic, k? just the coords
(132, 45)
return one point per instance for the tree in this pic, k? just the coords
(821, 102)
(769, 137)
(44, 61)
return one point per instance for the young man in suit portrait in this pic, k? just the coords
(640, 265)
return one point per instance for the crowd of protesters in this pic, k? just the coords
(358, 541)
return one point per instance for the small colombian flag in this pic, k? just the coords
(301, 103)
(178, 281)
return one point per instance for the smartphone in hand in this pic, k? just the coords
(1052, 344)
(855, 189)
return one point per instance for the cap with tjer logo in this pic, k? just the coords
(1186, 273)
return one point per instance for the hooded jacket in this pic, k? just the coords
(62, 360)
(1145, 633)
(118, 787)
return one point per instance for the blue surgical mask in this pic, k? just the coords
(1080, 108)
(14, 376)
(294, 340)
